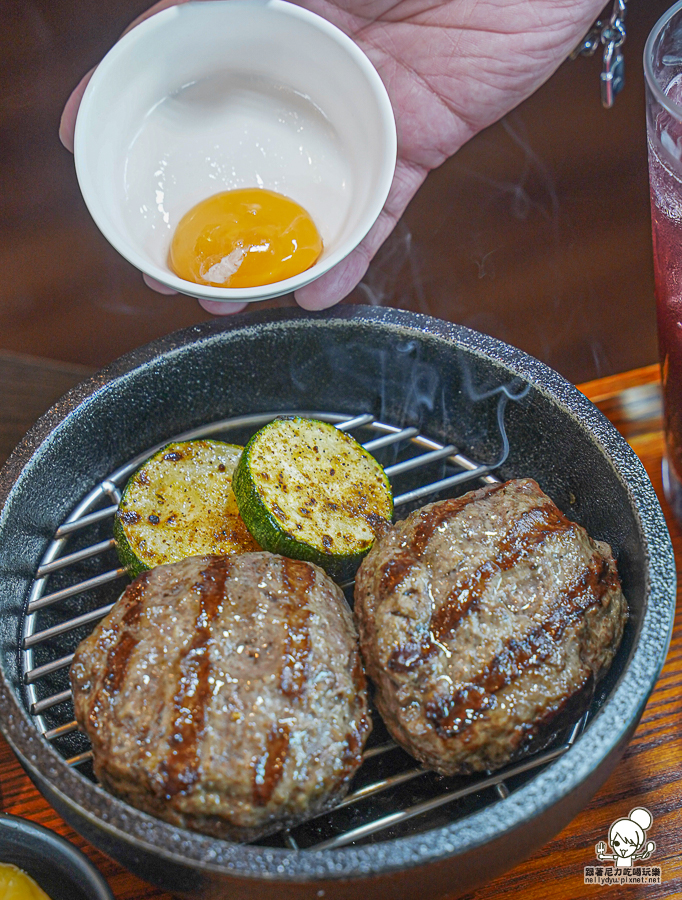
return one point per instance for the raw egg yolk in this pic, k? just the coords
(244, 238)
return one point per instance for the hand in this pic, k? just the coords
(600, 850)
(451, 69)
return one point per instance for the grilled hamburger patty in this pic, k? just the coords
(479, 617)
(225, 694)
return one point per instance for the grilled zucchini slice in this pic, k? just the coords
(180, 503)
(309, 491)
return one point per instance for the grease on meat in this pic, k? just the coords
(480, 618)
(225, 694)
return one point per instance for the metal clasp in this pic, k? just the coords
(610, 35)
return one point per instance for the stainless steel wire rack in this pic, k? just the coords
(79, 579)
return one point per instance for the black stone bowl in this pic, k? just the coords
(405, 369)
(60, 869)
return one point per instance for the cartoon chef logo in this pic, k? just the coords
(628, 841)
(627, 838)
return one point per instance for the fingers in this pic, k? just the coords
(67, 124)
(217, 308)
(338, 282)
(157, 285)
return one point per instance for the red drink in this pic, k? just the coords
(666, 221)
(663, 70)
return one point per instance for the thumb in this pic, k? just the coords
(67, 123)
(338, 282)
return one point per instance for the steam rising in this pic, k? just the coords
(412, 391)
(491, 226)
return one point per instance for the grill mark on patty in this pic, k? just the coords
(363, 726)
(398, 567)
(527, 533)
(408, 656)
(181, 768)
(269, 768)
(359, 680)
(358, 728)
(119, 653)
(351, 753)
(452, 714)
(298, 578)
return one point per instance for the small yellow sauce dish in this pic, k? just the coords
(38, 864)
(17, 885)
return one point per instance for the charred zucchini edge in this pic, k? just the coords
(127, 554)
(271, 533)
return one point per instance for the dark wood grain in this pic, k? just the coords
(28, 387)
(650, 773)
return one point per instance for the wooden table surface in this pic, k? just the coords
(650, 773)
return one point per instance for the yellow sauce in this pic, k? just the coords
(17, 885)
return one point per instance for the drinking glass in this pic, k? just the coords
(663, 75)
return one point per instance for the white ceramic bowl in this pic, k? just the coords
(211, 96)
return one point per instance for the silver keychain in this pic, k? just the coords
(611, 36)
